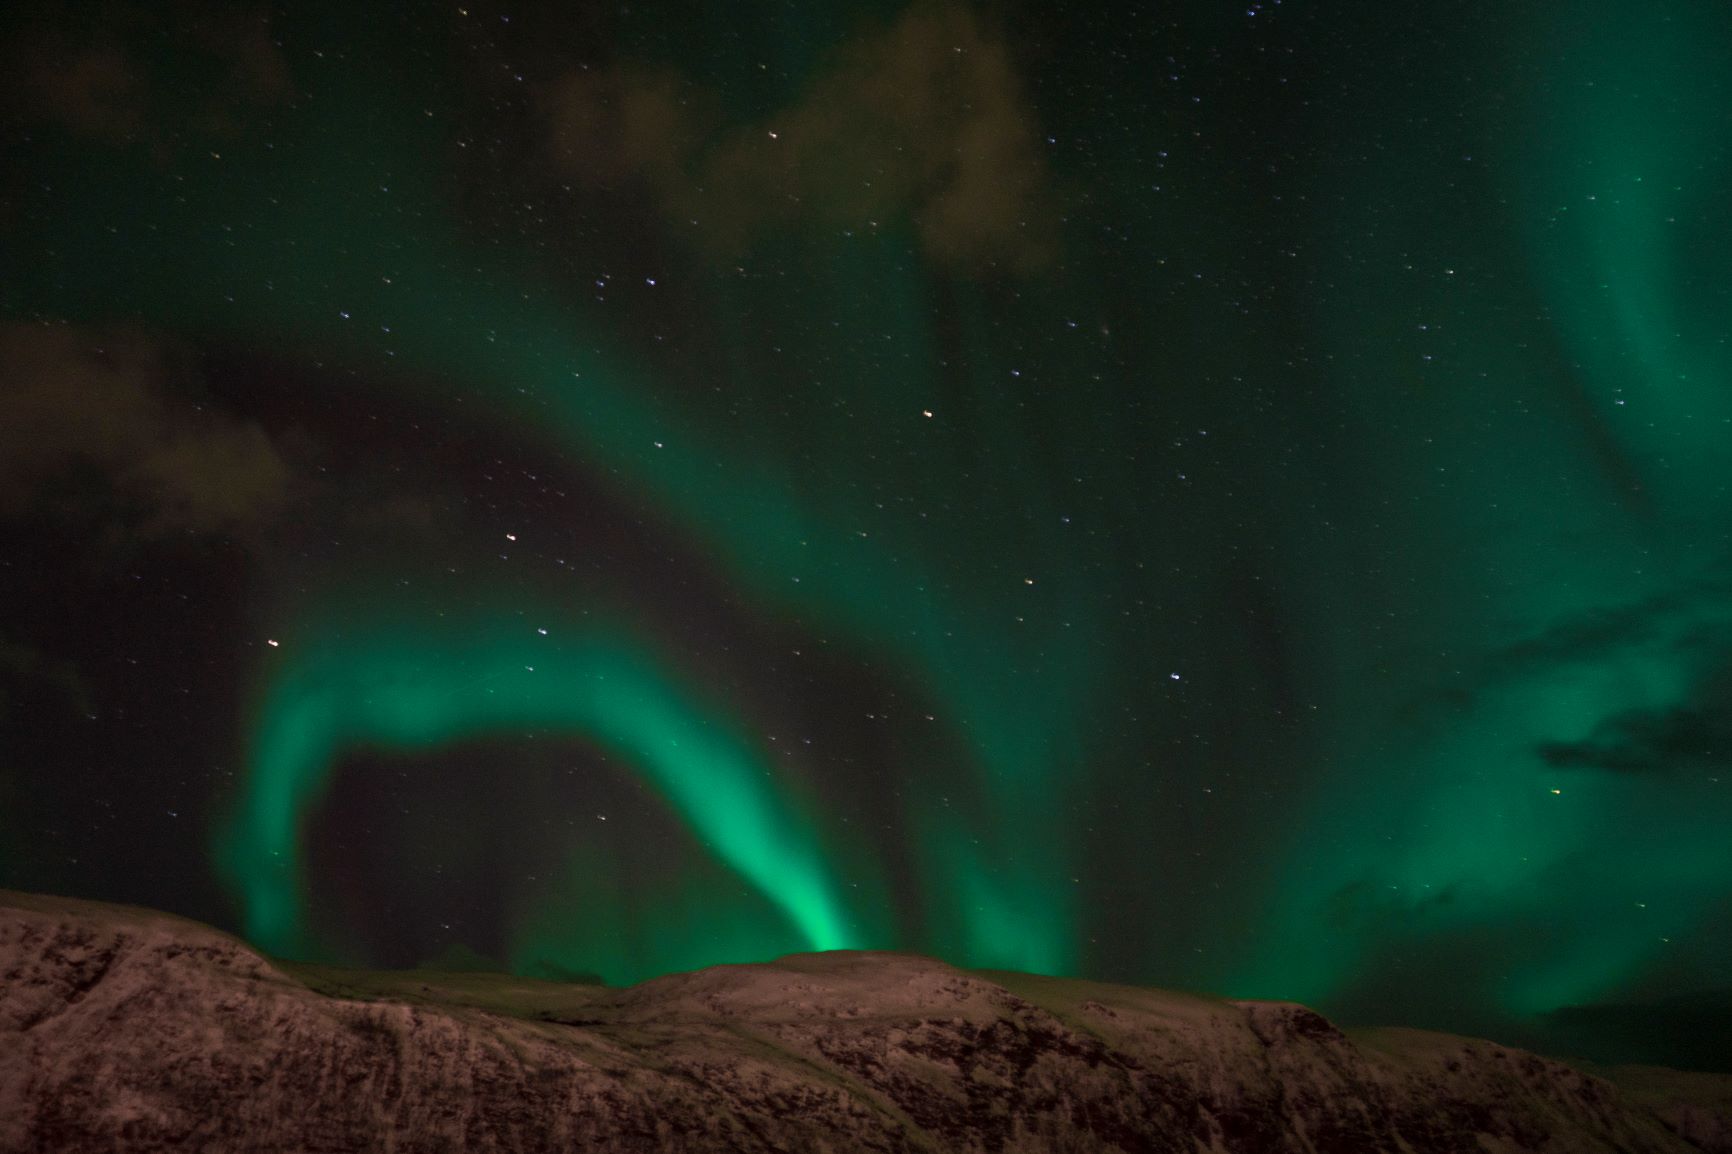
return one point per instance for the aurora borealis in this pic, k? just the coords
(1229, 498)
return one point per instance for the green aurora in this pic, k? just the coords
(1311, 582)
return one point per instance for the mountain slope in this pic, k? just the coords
(127, 1029)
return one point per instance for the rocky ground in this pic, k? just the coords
(124, 1029)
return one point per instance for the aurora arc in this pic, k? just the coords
(409, 688)
(465, 326)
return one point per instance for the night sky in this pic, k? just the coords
(1223, 496)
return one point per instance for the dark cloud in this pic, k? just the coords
(622, 128)
(110, 75)
(406, 516)
(1689, 625)
(1589, 635)
(98, 415)
(925, 120)
(22, 665)
(1694, 731)
(91, 90)
(1649, 741)
(1691, 621)
(1686, 1031)
(1592, 634)
(1364, 904)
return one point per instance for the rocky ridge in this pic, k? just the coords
(125, 1029)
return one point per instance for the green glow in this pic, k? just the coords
(628, 924)
(416, 684)
(1006, 659)
(1556, 497)
(1351, 452)
(1627, 167)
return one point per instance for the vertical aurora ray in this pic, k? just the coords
(1514, 804)
(406, 686)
